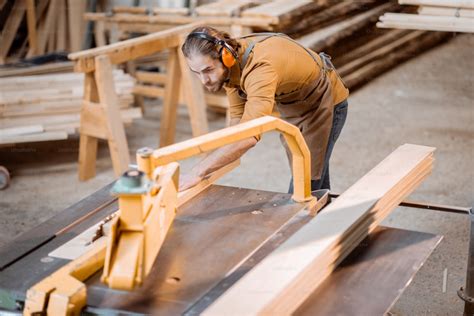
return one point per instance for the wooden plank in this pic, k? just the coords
(117, 139)
(391, 255)
(379, 53)
(367, 72)
(46, 68)
(284, 279)
(48, 26)
(88, 144)
(425, 22)
(466, 4)
(440, 11)
(29, 138)
(131, 49)
(176, 20)
(31, 23)
(76, 9)
(329, 35)
(225, 7)
(10, 28)
(61, 27)
(14, 131)
(155, 10)
(170, 99)
(275, 9)
(194, 96)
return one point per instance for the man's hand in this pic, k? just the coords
(189, 180)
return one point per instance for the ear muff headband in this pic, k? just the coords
(227, 53)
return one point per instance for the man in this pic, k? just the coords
(259, 72)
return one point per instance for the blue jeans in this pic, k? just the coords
(339, 118)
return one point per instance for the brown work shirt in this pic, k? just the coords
(281, 73)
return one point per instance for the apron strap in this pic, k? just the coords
(327, 65)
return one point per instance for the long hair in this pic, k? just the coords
(193, 45)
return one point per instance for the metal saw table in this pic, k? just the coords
(210, 245)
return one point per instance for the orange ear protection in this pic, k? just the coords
(227, 53)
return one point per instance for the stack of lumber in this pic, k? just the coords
(35, 28)
(47, 107)
(359, 49)
(283, 280)
(433, 15)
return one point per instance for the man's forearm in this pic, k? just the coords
(223, 156)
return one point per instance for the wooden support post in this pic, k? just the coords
(88, 142)
(31, 22)
(170, 100)
(108, 99)
(194, 97)
(100, 119)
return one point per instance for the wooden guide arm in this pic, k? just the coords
(301, 168)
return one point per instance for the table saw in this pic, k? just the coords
(215, 239)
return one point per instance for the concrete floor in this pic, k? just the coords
(428, 100)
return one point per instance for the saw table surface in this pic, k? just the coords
(211, 236)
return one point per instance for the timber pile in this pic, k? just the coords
(359, 49)
(34, 28)
(282, 281)
(433, 15)
(47, 107)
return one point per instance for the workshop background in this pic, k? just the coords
(407, 86)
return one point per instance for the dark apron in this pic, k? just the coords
(309, 108)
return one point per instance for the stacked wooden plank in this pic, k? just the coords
(433, 15)
(47, 107)
(360, 50)
(283, 280)
(51, 26)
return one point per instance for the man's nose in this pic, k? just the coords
(204, 78)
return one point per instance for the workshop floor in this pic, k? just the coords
(428, 100)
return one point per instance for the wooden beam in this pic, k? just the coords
(170, 99)
(329, 35)
(130, 49)
(285, 278)
(10, 28)
(88, 144)
(48, 26)
(31, 23)
(225, 7)
(194, 96)
(76, 10)
(440, 11)
(180, 20)
(425, 22)
(116, 137)
(466, 4)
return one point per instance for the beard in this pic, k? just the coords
(214, 87)
(217, 85)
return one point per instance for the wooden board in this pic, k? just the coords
(284, 279)
(467, 4)
(225, 7)
(380, 268)
(426, 22)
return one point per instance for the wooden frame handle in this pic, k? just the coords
(301, 167)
